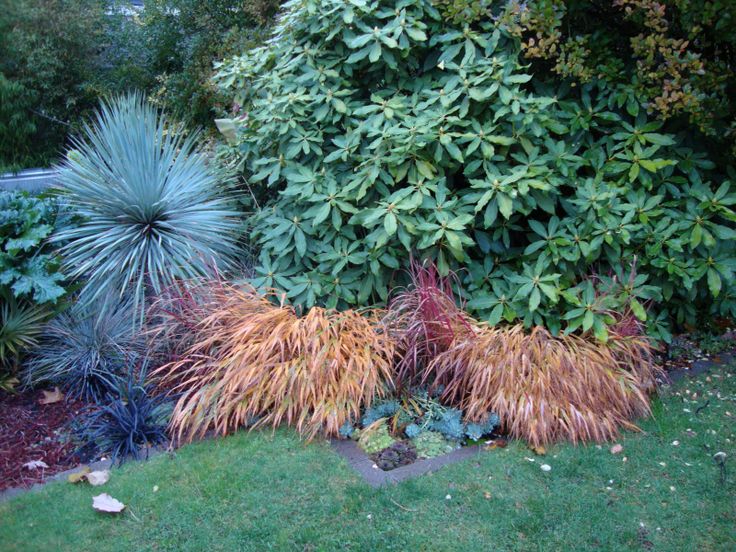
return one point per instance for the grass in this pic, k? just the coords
(271, 491)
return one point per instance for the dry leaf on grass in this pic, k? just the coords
(78, 476)
(108, 504)
(35, 464)
(97, 478)
(51, 397)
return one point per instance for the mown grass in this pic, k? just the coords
(271, 491)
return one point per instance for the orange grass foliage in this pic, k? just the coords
(546, 388)
(250, 360)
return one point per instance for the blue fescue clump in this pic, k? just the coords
(412, 431)
(475, 431)
(449, 424)
(384, 409)
(346, 430)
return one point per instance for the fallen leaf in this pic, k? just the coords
(35, 464)
(51, 397)
(495, 443)
(78, 476)
(97, 478)
(540, 450)
(615, 449)
(106, 503)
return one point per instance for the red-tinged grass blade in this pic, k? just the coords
(250, 360)
(546, 388)
(424, 320)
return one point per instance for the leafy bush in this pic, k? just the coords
(247, 359)
(184, 37)
(48, 50)
(547, 388)
(134, 419)
(59, 57)
(21, 326)
(674, 57)
(30, 280)
(85, 352)
(151, 206)
(375, 130)
(27, 267)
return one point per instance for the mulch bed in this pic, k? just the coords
(32, 431)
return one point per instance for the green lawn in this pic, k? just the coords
(264, 491)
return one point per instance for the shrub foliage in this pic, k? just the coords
(376, 129)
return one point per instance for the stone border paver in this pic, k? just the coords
(376, 477)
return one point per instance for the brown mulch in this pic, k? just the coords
(32, 431)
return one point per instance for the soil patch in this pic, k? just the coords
(30, 431)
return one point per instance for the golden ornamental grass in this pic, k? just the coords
(252, 362)
(546, 388)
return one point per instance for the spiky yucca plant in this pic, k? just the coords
(152, 208)
(253, 361)
(547, 388)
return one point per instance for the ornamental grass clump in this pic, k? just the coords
(252, 362)
(424, 319)
(86, 351)
(547, 388)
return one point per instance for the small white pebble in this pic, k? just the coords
(609, 488)
(374, 466)
(686, 410)
(369, 516)
(672, 489)
(688, 464)
(663, 464)
(641, 524)
(448, 497)
(675, 443)
(155, 488)
(529, 459)
(546, 467)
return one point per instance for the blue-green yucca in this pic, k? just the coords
(151, 207)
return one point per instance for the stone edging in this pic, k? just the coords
(376, 477)
(7, 494)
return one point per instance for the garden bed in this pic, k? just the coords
(31, 431)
